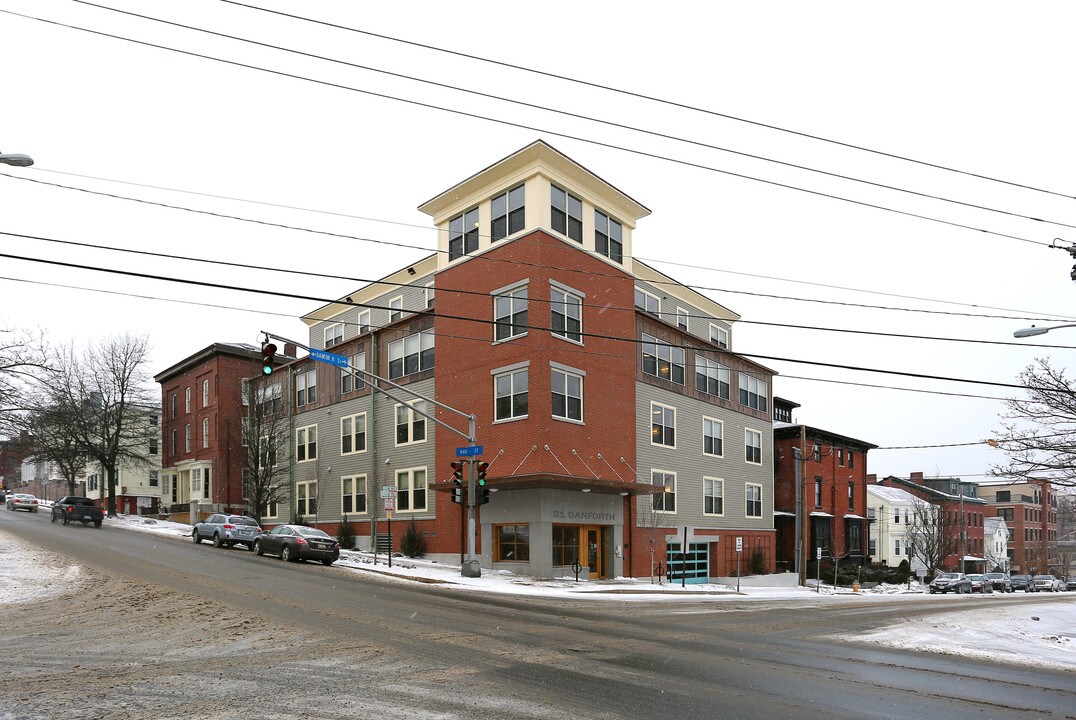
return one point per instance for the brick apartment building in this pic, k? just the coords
(616, 419)
(960, 510)
(1030, 512)
(13, 452)
(833, 494)
(202, 411)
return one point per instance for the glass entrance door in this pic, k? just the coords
(593, 551)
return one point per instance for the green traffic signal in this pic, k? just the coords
(268, 356)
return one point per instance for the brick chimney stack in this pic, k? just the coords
(916, 477)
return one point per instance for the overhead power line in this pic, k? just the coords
(578, 116)
(533, 128)
(490, 322)
(651, 98)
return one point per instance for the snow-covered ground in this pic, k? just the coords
(1041, 633)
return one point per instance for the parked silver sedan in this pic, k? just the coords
(23, 501)
(227, 530)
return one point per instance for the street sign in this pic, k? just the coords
(739, 544)
(328, 357)
(388, 491)
(469, 451)
(818, 553)
(390, 504)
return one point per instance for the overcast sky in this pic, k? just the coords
(976, 93)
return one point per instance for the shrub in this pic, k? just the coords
(412, 544)
(345, 534)
(758, 562)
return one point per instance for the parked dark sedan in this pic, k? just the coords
(950, 582)
(298, 542)
(1021, 582)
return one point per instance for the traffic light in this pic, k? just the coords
(480, 472)
(457, 477)
(483, 495)
(268, 357)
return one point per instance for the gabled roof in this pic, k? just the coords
(937, 494)
(891, 495)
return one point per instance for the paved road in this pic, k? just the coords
(170, 629)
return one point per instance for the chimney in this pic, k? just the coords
(872, 479)
(290, 350)
(916, 477)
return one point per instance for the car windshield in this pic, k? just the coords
(311, 532)
(1043, 577)
(976, 577)
(948, 576)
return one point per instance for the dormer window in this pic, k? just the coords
(567, 214)
(608, 237)
(463, 234)
(508, 214)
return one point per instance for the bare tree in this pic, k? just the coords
(929, 536)
(23, 359)
(54, 443)
(103, 400)
(266, 436)
(1039, 431)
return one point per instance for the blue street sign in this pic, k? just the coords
(328, 357)
(469, 451)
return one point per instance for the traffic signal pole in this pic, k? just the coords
(471, 567)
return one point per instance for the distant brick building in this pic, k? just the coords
(1030, 512)
(13, 452)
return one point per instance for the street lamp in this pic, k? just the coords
(16, 159)
(1033, 330)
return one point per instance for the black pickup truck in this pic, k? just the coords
(77, 509)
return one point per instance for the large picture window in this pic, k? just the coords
(565, 545)
(513, 543)
(463, 234)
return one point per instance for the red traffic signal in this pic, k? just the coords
(457, 472)
(480, 471)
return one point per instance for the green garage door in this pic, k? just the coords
(694, 568)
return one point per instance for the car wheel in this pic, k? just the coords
(197, 539)
(216, 540)
(97, 523)
(326, 561)
(257, 548)
(64, 520)
(53, 518)
(286, 555)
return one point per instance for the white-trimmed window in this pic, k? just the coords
(753, 443)
(205, 432)
(411, 490)
(711, 377)
(713, 431)
(411, 354)
(566, 214)
(507, 214)
(353, 434)
(351, 380)
(681, 318)
(154, 478)
(719, 336)
(363, 322)
(511, 396)
(463, 234)
(410, 425)
(566, 313)
(396, 308)
(647, 302)
(353, 494)
(268, 399)
(306, 443)
(753, 392)
(205, 393)
(306, 388)
(662, 425)
(510, 313)
(567, 390)
(268, 510)
(608, 237)
(173, 406)
(663, 361)
(664, 501)
(196, 482)
(896, 546)
(334, 335)
(752, 500)
(306, 498)
(713, 496)
(429, 293)
(187, 438)
(187, 399)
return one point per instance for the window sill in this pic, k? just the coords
(570, 421)
(509, 339)
(502, 421)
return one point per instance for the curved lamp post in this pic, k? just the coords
(16, 159)
(1033, 330)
